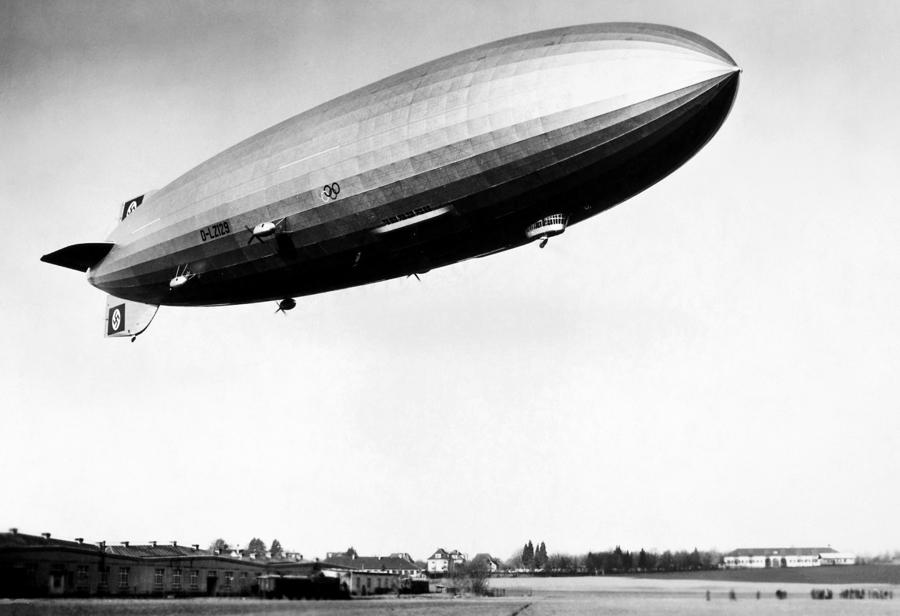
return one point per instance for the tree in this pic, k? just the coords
(710, 560)
(694, 560)
(528, 556)
(627, 561)
(220, 545)
(257, 547)
(472, 577)
(642, 560)
(276, 550)
(540, 557)
(617, 562)
(666, 561)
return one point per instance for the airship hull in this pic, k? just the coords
(450, 160)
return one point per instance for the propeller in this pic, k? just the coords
(253, 236)
(286, 304)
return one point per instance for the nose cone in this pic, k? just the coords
(675, 37)
(682, 57)
(634, 62)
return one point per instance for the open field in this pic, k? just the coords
(582, 596)
(857, 574)
(664, 586)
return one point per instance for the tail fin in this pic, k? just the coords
(79, 256)
(127, 318)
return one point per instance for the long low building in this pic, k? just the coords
(764, 558)
(40, 566)
(368, 575)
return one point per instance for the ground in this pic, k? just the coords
(582, 596)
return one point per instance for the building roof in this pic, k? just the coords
(371, 563)
(14, 540)
(21, 540)
(780, 551)
(157, 551)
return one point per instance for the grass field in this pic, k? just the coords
(581, 596)
(857, 574)
(564, 604)
(668, 587)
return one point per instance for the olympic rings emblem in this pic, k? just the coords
(331, 191)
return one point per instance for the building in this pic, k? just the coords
(367, 575)
(40, 566)
(443, 562)
(763, 558)
(837, 558)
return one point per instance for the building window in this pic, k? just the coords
(104, 576)
(176, 579)
(229, 576)
(82, 576)
(123, 577)
(194, 575)
(158, 577)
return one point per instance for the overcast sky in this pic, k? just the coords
(713, 363)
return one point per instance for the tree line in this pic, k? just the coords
(612, 561)
(624, 561)
(256, 546)
(530, 558)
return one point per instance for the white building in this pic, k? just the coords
(443, 561)
(837, 558)
(763, 558)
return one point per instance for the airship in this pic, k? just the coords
(465, 156)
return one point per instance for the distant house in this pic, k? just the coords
(492, 564)
(764, 558)
(442, 561)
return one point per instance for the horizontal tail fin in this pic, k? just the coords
(79, 257)
(127, 318)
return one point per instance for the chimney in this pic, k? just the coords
(125, 543)
(153, 543)
(196, 546)
(14, 531)
(45, 535)
(174, 544)
(102, 546)
(80, 540)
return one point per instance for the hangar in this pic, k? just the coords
(43, 566)
(765, 558)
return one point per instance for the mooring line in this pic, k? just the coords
(521, 609)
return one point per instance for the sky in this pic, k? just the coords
(711, 364)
